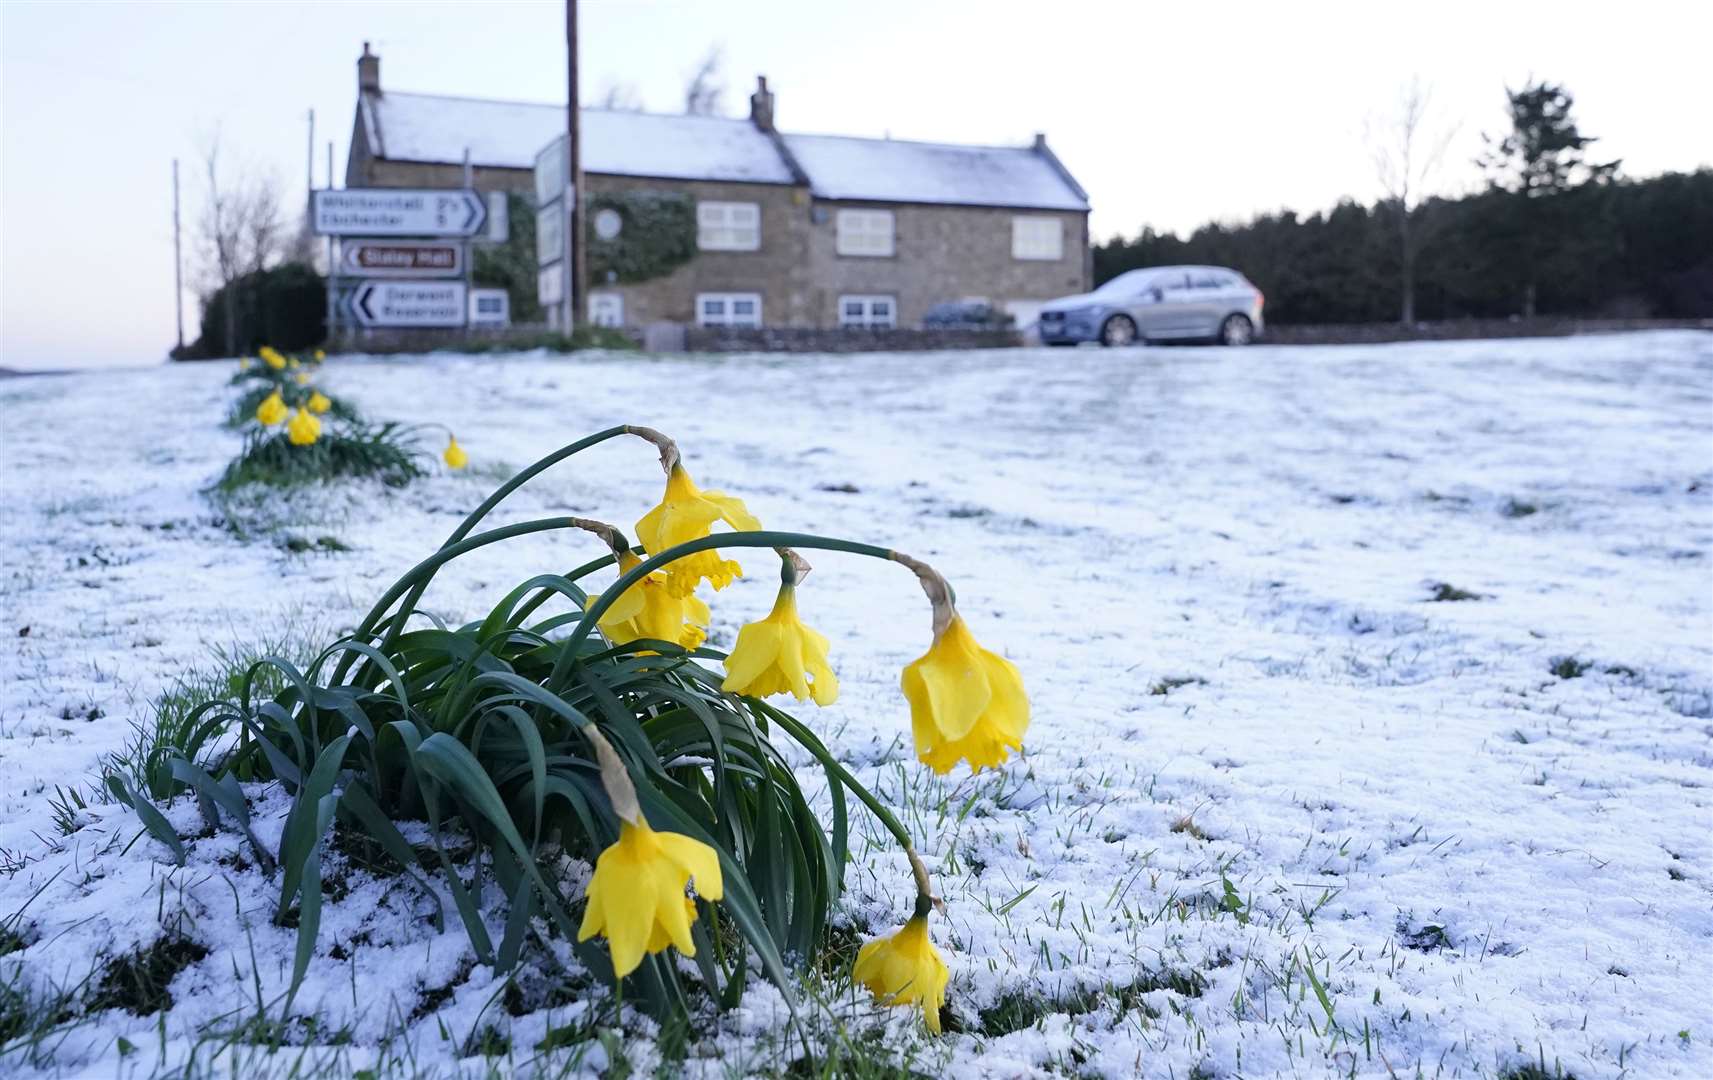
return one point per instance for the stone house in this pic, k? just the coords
(812, 231)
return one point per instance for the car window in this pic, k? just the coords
(1170, 281)
(1207, 280)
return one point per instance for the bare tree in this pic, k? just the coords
(703, 93)
(1407, 148)
(241, 229)
(621, 97)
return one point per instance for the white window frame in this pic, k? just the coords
(728, 226)
(867, 319)
(870, 233)
(607, 309)
(1036, 237)
(725, 316)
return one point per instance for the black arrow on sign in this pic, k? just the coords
(476, 207)
(363, 296)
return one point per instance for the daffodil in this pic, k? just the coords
(303, 429)
(272, 409)
(779, 654)
(320, 356)
(636, 898)
(271, 356)
(905, 969)
(319, 403)
(301, 378)
(684, 514)
(454, 454)
(243, 363)
(966, 703)
(649, 610)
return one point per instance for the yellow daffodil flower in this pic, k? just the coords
(272, 409)
(636, 898)
(779, 654)
(685, 514)
(905, 969)
(454, 454)
(293, 364)
(303, 429)
(319, 403)
(649, 610)
(271, 356)
(301, 378)
(966, 703)
(243, 363)
(320, 356)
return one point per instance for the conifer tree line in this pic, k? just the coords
(1555, 231)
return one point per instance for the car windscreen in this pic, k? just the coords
(1125, 285)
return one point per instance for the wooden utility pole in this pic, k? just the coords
(177, 260)
(576, 267)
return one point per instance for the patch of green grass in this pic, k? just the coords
(1444, 593)
(1018, 1010)
(138, 981)
(1569, 667)
(1515, 508)
(302, 545)
(388, 453)
(1167, 685)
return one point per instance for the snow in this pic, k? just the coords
(894, 170)
(510, 134)
(1213, 568)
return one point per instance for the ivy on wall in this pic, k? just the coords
(657, 234)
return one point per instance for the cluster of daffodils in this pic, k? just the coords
(299, 405)
(967, 705)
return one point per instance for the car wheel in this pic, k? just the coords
(1118, 330)
(1236, 330)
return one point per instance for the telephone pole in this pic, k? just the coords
(576, 268)
(177, 260)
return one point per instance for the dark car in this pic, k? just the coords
(966, 315)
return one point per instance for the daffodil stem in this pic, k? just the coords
(806, 739)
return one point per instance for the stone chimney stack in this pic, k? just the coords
(761, 105)
(368, 71)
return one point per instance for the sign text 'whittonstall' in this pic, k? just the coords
(410, 303)
(398, 212)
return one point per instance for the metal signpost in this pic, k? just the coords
(391, 238)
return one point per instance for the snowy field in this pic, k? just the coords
(1389, 664)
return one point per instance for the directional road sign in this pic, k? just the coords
(403, 258)
(410, 303)
(399, 212)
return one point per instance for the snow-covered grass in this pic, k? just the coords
(1372, 688)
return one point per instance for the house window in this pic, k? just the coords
(728, 309)
(870, 312)
(728, 226)
(606, 309)
(865, 232)
(1037, 238)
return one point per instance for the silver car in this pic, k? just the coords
(1159, 303)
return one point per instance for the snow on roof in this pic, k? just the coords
(509, 134)
(892, 170)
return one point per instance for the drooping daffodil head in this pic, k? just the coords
(318, 403)
(454, 455)
(650, 611)
(966, 703)
(304, 428)
(271, 357)
(272, 410)
(320, 356)
(905, 969)
(779, 655)
(686, 513)
(636, 897)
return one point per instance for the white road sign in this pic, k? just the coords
(403, 258)
(410, 303)
(398, 212)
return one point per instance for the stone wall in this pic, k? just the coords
(810, 339)
(1462, 329)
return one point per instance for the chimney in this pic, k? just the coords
(761, 105)
(368, 71)
(1040, 142)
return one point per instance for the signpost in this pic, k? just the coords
(403, 258)
(410, 303)
(398, 212)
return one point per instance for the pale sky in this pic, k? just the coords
(1169, 114)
